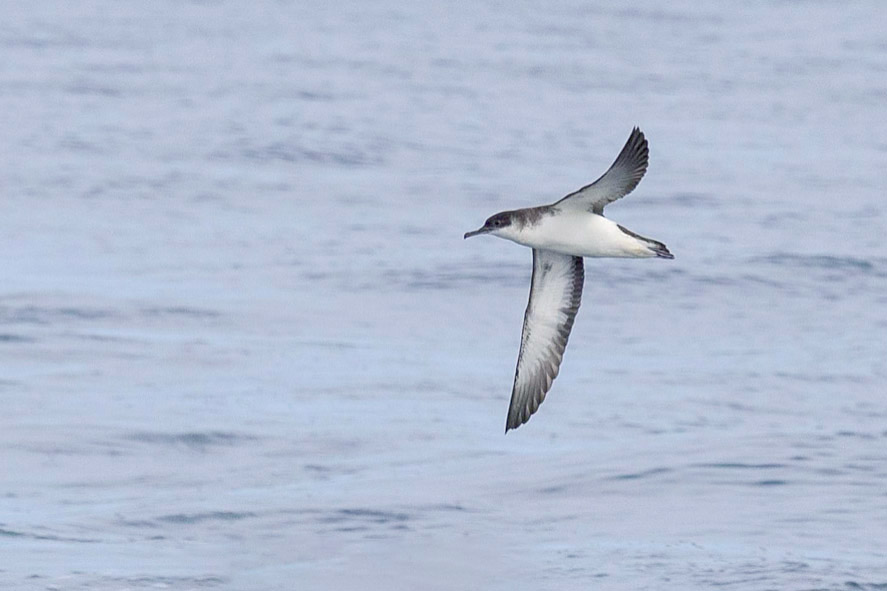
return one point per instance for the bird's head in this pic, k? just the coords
(497, 225)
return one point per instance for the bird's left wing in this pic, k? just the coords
(619, 180)
(555, 294)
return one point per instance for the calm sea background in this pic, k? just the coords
(243, 345)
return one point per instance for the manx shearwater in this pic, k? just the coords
(561, 234)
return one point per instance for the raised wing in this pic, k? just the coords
(619, 180)
(555, 293)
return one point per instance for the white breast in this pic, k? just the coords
(579, 234)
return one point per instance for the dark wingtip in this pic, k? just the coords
(513, 422)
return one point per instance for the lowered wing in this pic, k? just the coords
(555, 294)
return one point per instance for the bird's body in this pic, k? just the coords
(561, 234)
(576, 233)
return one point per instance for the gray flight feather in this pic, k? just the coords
(555, 294)
(619, 180)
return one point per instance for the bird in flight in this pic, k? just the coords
(561, 234)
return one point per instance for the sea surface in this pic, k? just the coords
(243, 345)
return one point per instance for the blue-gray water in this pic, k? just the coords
(243, 345)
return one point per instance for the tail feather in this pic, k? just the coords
(660, 249)
(656, 247)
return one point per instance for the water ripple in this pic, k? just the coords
(192, 518)
(844, 264)
(195, 440)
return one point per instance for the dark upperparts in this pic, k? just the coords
(528, 216)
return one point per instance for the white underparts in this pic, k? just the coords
(579, 234)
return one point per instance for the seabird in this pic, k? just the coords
(560, 234)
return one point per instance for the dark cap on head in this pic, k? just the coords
(495, 222)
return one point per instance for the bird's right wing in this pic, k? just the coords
(555, 294)
(619, 180)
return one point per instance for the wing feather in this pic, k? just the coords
(619, 180)
(555, 294)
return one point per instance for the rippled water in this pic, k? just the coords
(244, 346)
